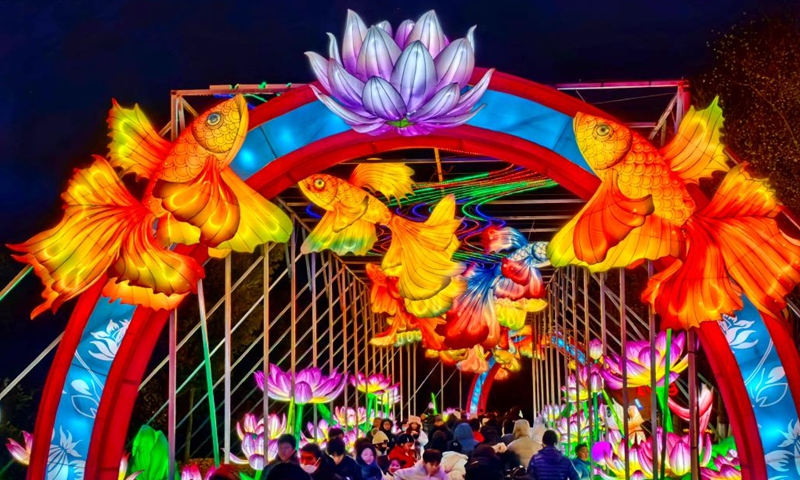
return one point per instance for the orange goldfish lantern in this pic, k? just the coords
(191, 197)
(643, 210)
(420, 254)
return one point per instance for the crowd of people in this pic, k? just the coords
(489, 447)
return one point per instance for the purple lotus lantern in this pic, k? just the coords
(251, 434)
(21, 454)
(412, 82)
(311, 385)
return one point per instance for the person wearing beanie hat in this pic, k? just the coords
(381, 443)
(404, 451)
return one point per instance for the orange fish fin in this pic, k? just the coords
(381, 298)
(135, 145)
(72, 256)
(260, 220)
(657, 238)
(386, 338)
(762, 260)
(207, 202)
(423, 252)
(438, 304)
(697, 289)
(607, 219)
(430, 337)
(391, 179)
(171, 231)
(357, 238)
(697, 150)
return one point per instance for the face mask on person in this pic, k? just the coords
(309, 469)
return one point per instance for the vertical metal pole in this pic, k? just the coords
(293, 327)
(403, 382)
(589, 369)
(343, 306)
(651, 318)
(460, 390)
(623, 320)
(265, 350)
(694, 407)
(314, 339)
(416, 387)
(331, 278)
(212, 407)
(603, 338)
(354, 310)
(228, 355)
(441, 386)
(173, 385)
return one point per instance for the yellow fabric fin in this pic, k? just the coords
(424, 251)
(135, 145)
(697, 150)
(260, 221)
(171, 231)
(391, 179)
(207, 202)
(440, 303)
(358, 238)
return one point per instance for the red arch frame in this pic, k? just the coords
(108, 437)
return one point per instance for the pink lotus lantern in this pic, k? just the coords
(21, 455)
(123, 470)
(638, 363)
(317, 433)
(705, 402)
(411, 83)
(192, 472)
(376, 383)
(251, 434)
(350, 418)
(595, 349)
(588, 376)
(311, 385)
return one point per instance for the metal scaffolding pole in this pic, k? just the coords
(354, 310)
(228, 313)
(651, 319)
(265, 348)
(173, 384)
(694, 407)
(623, 321)
(343, 307)
(293, 327)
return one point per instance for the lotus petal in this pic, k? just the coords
(378, 55)
(377, 128)
(451, 120)
(415, 130)
(403, 31)
(320, 67)
(469, 99)
(192, 472)
(429, 32)
(386, 26)
(302, 393)
(414, 76)
(257, 462)
(382, 100)
(333, 49)
(352, 118)
(455, 64)
(354, 33)
(471, 37)
(345, 87)
(680, 458)
(440, 104)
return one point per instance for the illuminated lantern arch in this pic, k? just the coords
(523, 123)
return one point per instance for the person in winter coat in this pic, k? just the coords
(454, 465)
(508, 432)
(523, 446)
(484, 465)
(404, 451)
(438, 441)
(549, 463)
(315, 463)
(343, 466)
(366, 457)
(429, 468)
(581, 462)
(463, 435)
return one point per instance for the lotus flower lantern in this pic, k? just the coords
(412, 82)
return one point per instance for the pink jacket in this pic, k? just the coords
(418, 472)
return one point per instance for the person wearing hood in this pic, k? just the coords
(484, 465)
(523, 446)
(366, 458)
(463, 435)
(381, 443)
(429, 468)
(344, 466)
(415, 430)
(315, 463)
(454, 463)
(549, 463)
(508, 432)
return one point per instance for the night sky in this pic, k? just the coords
(62, 62)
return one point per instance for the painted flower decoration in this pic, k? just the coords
(638, 362)
(311, 385)
(376, 383)
(349, 418)
(412, 82)
(21, 454)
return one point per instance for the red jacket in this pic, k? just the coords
(407, 458)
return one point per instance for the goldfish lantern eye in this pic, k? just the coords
(214, 119)
(602, 130)
(319, 184)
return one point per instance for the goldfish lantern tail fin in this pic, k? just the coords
(100, 217)
(697, 150)
(438, 304)
(391, 179)
(431, 339)
(135, 145)
(697, 288)
(762, 260)
(473, 320)
(356, 236)
(207, 202)
(420, 254)
(386, 338)
(260, 221)
(171, 231)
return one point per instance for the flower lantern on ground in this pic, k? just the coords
(252, 433)
(411, 83)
